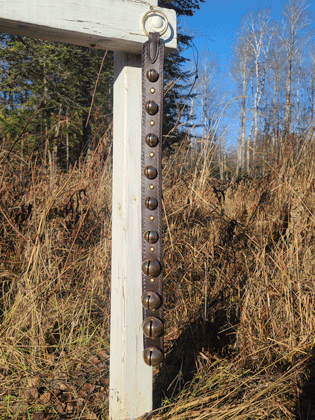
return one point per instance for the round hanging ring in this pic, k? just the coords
(154, 12)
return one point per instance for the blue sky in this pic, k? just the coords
(214, 25)
(214, 28)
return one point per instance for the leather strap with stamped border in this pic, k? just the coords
(151, 196)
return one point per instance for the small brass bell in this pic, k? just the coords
(151, 203)
(151, 236)
(151, 107)
(150, 172)
(151, 300)
(152, 140)
(151, 268)
(153, 327)
(152, 75)
(153, 356)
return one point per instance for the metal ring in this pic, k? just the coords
(156, 12)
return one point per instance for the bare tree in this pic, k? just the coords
(261, 32)
(207, 95)
(299, 81)
(296, 33)
(305, 93)
(207, 89)
(275, 82)
(311, 89)
(241, 70)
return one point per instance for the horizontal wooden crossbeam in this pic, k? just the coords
(113, 25)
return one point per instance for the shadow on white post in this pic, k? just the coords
(130, 394)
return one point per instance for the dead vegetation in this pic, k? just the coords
(239, 290)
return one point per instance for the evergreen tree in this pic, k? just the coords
(48, 86)
(47, 89)
(177, 80)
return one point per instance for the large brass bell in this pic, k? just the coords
(150, 172)
(151, 236)
(152, 140)
(151, 107)
(152, 327)
(151, 300)
(153, 356)
(151, 203)
(152, 75)
(151, 268)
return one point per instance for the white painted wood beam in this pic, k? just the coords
(113, 25)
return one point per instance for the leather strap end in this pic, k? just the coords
(154, 41)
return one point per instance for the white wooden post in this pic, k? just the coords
(130, 378)
(113, 25)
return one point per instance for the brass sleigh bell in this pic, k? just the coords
(151, 268)
(151, 107)
(151, 140)
(152, 327)
(152, 75)
(151, 300)
(152, 356)
(150, 172)
(151, 203)
(151, 236)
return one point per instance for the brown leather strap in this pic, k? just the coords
(151, 194)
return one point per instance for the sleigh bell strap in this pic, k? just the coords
(151, 195)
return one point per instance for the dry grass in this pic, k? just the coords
(55, 274)
(239, 282)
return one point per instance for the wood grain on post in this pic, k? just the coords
(130, 378)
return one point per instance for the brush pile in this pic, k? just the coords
(239, 275)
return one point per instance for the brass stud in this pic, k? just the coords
(151, 218)
(151, 187)
(152, 280)
(152, 249)
(152, 90)
(151, 155)
(152, 123)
